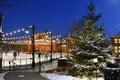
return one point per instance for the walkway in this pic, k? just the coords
(30, 74)
(24, 76)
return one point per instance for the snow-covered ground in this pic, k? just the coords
(2, 76)
(55, 76)
(50, 76)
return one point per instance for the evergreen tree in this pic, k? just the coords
(88, 45)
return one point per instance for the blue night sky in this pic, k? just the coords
(58, 15)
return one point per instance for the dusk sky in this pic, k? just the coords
(58, 15)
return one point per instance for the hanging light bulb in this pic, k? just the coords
(18, 30)
(11, 33)
(14, 31)
(23, 29)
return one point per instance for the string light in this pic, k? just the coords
(18, 30)
(15, 38)
(11, 33)
(6, 33)
(23, 29)
(10, 37)
(3, 35)
(14, 32)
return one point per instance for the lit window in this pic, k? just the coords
(119, 50)
(116, 49)
(115, 40)
(119, 40)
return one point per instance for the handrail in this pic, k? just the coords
(10, 67)
(14, 62)
(25, 63)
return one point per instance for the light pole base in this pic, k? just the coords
(61, 56)
(51, 60)
(0, 65)
(33, 64)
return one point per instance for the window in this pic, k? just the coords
(115, 40)
(119, 49)
(116, 49)
(119, 40)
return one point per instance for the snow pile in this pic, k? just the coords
(2, 76)
(55, 76)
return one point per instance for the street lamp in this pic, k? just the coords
(68, 46)
(1, 16)
(60, 36)
(33, 43)
(1, 52)
(51, 44)
(40, 64)
(95, 60)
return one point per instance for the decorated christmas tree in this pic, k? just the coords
(89, 50)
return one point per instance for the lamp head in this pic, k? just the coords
(27, 31)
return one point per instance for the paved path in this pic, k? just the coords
(24, 76)
(30, 74)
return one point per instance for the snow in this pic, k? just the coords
(2, 76)
(56, 76)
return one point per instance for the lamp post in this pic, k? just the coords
(51, 44)
(40, 64)
(33, 43)
(95, 60)
(60, 36)
(0, 52)
(1, 16)
(67, 47)
(61, 45)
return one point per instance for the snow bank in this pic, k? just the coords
(55, 76)
(2, 76)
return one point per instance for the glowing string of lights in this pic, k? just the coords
(10, 36)
(6, 36)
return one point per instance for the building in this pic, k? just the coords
(42, 44)
(116, 45)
